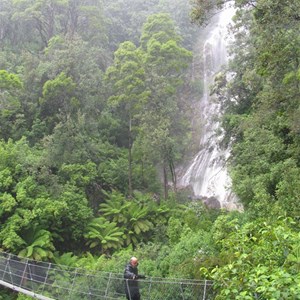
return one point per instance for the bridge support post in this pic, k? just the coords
(107, 286)
(204, 290)
(149, 289)
(71, 289)
(24, 273)
(182, 293)
(46, 278)
(6, 265)
(128, 289)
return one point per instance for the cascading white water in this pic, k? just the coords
(207, 173)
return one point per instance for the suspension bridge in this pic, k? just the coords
(47, 281)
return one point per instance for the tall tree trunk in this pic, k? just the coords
(174, 178)
(165, 181)
(129, 160)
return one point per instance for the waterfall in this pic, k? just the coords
(207, 173)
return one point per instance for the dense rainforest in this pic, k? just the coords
(96, 100)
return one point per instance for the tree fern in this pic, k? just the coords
(115, 207)
(103, 234)
(38, 244)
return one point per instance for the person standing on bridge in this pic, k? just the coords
(131, 276)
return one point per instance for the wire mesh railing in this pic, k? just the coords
(47, 281)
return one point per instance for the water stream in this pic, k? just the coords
(206, 173)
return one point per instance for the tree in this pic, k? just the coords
(107, 235)
(165, 61)
(11, 116)
(203, 10)
(41, 17)
(138, 223)
(125, 19)
(115, 207)
(38, 244)
(128, 92)
(7, 34)
(159, 27)
(85, 18)
(180, 12)
(48, 18)
(133, 217)
(58, 100)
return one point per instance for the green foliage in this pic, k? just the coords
(45, 21)
(165, 61)
(261, 104)
(30, 195)
(66, 259)
(9, 81)
(79, 174)
(8, 202)
(138, 220)
(174, 230)
(126, 79)
(58, 97)
(114, 171)
(135, 218)
(38, 244)
(11, 116)
(185, 256)
(90, 262)
(103, 234)
(159, 27)
(76, 216)
(203, 10)
(114, 263)
(115, 207)
(180, 12)
(263, 262)
(287, 190)
(23, 297)
(197, 215)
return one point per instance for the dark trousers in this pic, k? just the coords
(132, 293)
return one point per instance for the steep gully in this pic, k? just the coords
(206, 173)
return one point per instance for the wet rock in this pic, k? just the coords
(211, 202)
